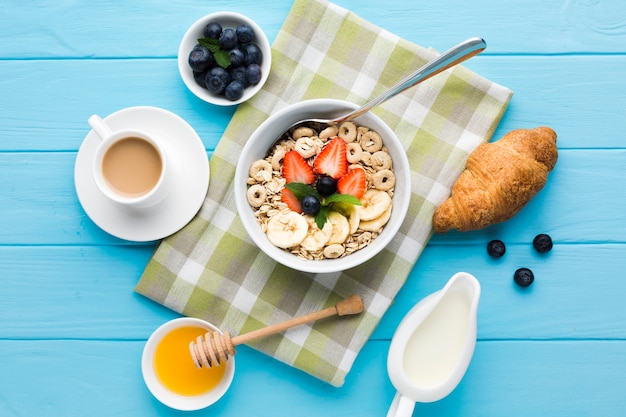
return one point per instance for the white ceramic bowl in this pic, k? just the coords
(265, 136)
(190, 39)
(166, 396)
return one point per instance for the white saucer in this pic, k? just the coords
(187, 159)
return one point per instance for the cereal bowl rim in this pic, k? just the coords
(164, 395)
(195, 31)
(265, 135)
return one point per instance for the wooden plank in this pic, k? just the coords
(572, 296)
(45, 287)
(39, 204)
(154, 29)
(49, 285)
(61, 102)
(104, 378)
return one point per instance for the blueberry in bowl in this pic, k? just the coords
(221, 49)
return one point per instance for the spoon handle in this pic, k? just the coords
(450, 58)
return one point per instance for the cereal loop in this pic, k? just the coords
(334, 251)
(261, 170)
(329, 132)
(384, 180)
(353, 152)
(347, 131)
(256, 195)
(371, 142)
(277, 159)
(381, 160)
(305, 146)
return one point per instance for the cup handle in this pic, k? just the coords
(401, 406)
(98, 126)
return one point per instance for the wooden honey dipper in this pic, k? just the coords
(216, 348)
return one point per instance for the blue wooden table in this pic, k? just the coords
(72, 330)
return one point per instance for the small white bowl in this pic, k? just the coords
(264, 137)
(163, 394)
(190, 39)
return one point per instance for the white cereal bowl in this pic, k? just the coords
(190, 39)
(166, 396)
(265, 136)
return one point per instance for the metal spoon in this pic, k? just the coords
(450, 58)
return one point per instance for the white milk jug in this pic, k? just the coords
(433, 345)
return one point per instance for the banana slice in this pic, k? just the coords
(316, 238)
(351, 212)
(341, 227)
(373, 204)
(377, 223)
(287, 229)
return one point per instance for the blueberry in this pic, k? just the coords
(326, 185)
(496, 248)
(523, 277)
(217, 79)
(212, 30)
(201, 59)
(310, 205)
(542, 243)
(253, 54)
(228, 39)
(239, 74)
(234, 90)
(237, 57)
(253, 74)
(200, 78)
(245, 34)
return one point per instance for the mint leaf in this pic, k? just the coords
(321, 217)
(342, 198)
(211, 44)
(221, 57)
(300, 190)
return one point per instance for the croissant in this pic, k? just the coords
(500, 178)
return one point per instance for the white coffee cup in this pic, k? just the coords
(129, 166)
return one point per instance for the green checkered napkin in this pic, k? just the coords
(212, 270)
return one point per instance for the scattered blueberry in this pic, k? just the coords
(310, 205)
(245, 34)
(234, 90)
(228, 39)
(326, 185)
(213, 30)
(217, 79)
(542, 243)
(200, 59)
(253, 54)
(523, 277)
(253, 74)
(496, 248)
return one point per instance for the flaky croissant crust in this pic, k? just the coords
(500, 178)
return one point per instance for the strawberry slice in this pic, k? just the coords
(289, 198)
(354, 183)
(297, 169)
(332, 160)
